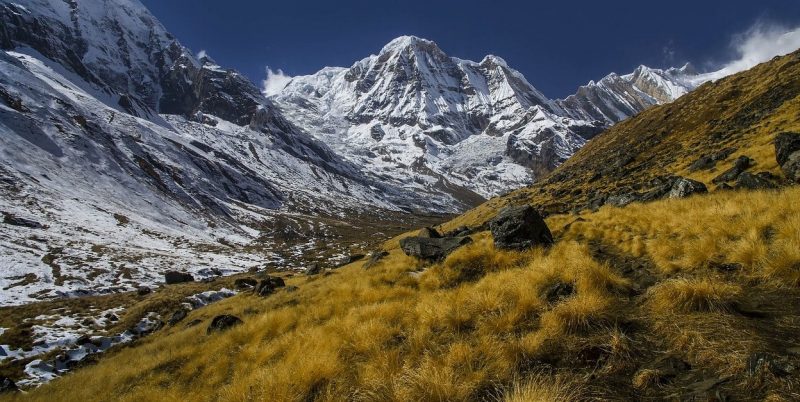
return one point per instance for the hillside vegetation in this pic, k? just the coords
(670, 299)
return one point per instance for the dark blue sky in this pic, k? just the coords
(558, 44)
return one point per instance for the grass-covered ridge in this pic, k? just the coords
(708, 285)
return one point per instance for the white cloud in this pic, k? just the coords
(758, 44)
(201, 54)
(275, 82)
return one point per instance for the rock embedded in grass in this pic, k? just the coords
(223, 322)
(683, 187)
(431, 249)
(374, 257)
(741, 164)
(173, 277)
(519, 228)
(6, 385)
(753, 182)
(787, 154)
(268, 285)
(314, 268)
(245, 283)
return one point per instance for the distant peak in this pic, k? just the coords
(492, 59)
(407, 41)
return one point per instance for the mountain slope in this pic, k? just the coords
(136, 158)
(693, 298)
(419, 117)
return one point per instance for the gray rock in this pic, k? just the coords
(268, 285)
(621, 200)
(245, 283)
(432, 249)
(683, 187)
(704, 163)
(173, 277)
(520, 228)
(741, 164)
(143, 290)
(11, 219)
(223, 322)
(314, 268)
(429, 232)
(787, 153)
(177, 317)
(752, 182)
(7, 386)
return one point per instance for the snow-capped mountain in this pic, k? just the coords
(418, 116)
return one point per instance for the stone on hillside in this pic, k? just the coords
(741, 164)
(704, 163)
(753, 182)
(723, 187)
(460, 231)
(143, 290)
(353, 258)
(621, 200)
(6, 385)
(314, 268)
(432, 249)
(177, 317)
(683, 187)
(787, 153)
(11, 219)
(223, 322)
(268, 285)
(173, 277)
(374, 257)
(429, 232)
(520, 228)
(245, 283)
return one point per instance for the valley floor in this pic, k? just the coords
(688, 298)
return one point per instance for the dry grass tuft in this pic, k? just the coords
(693, 295)
(545, 388)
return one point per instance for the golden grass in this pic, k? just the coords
(483, 323)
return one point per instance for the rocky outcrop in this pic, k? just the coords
(432, 249)
(269, 285)
(749, 181)
(741, 164)
(787, 153)
(683, 187)
(173, 277)
(223, 322)
(520, 228)
(374, 258)
(11, 219)
(7, 385)
(245, 283)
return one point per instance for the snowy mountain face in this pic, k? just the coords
(134, 157)
(418, 117)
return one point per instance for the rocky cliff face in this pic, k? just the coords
(422, 118)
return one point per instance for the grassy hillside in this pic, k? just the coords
(672, 299)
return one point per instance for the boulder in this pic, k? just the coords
(223, 322)
(173, 277)
(353, 258)
(314, 268)
(268, 285)
(741, 164)
(177, 317)
(432, 249)
(787, 153)
(683, 187)
(621, 200)
(704, 163)
(723, 187)
(245, 283)
(6, 385)
(460, 231)
(753, 182)
(520, 228)
(11, 219)
(374, 258)
(143, 290)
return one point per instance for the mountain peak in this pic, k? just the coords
(407, 41)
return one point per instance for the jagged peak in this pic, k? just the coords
(492, 59)
(407, 41)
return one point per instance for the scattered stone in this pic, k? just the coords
(727, 266)
(314, 268)
(143, 290)
(432, 249)
(374, 258)
(11, 219)
(354, 257)
(683, 187)
(7, 386)
(177, 317)
(752, 182)
(520, 228)
(787, 153)
(704, 163)
(759, 363)
(245, 283)
(741, 164)
(223, 322)
(268, 285)
(173, 277)
(621, 200)
(723, 187)
(429, 232)
(111, 317)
